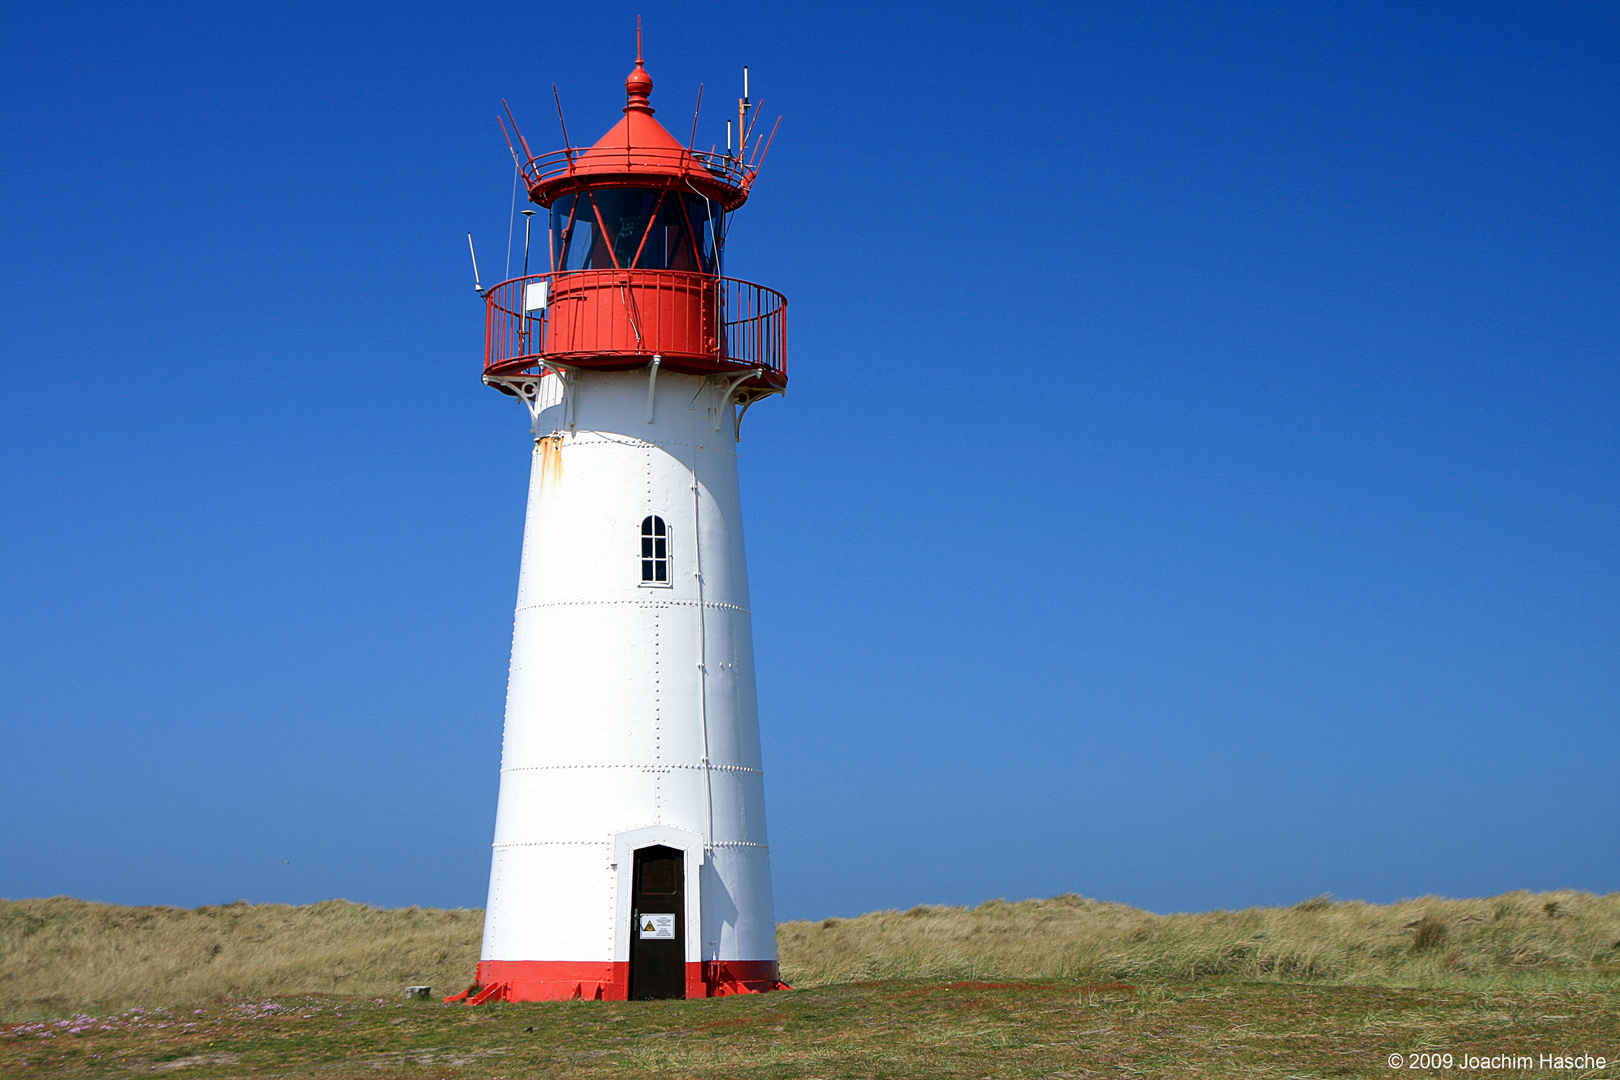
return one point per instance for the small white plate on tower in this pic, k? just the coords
(657, 927)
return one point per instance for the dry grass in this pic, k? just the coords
(62, 955)
(1520, 939)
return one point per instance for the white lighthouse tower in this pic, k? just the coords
(630, 857)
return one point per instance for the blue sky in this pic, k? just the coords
(1197, 488)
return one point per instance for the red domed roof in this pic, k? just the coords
(639, 152)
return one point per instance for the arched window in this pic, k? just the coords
(654, 551)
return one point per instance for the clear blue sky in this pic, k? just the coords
(1198, 485)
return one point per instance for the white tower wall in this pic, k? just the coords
(631, 715)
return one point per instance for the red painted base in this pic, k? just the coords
(565, 980)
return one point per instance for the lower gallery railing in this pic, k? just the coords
(622, 318)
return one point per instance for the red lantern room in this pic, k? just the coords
(636, 243)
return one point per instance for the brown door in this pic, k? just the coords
(658, 925)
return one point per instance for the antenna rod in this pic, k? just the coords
(528, 223)
(693, 140)
(742, 118)
(759, 156)
(509, 145)
(752, 123)
(568, 147)
(521, 139)
(477, 285)
(728, 138)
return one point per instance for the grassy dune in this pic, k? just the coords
(60, 955)
(1522, 939)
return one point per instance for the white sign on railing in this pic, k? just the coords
(536, 294)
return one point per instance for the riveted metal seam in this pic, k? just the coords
(651, 767)
(650, 604)
(637, 444)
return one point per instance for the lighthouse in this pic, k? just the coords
(630, 857)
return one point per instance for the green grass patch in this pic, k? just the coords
(879, 1028)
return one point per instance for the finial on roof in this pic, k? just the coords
(638, 84)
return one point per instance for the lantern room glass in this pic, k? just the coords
(636, 228)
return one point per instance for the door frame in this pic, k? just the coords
(690, 845)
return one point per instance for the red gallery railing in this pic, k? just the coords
(724, 168)
(620, 319)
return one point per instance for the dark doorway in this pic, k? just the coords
(658, 925)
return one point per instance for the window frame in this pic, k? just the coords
(648, 539)
(660, 220)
